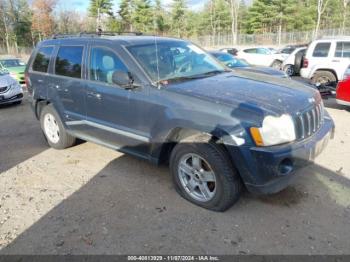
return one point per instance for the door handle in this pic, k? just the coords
(96, 95)
(40, 80)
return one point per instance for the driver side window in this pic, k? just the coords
(103, 63)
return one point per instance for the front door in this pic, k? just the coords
(108, 108)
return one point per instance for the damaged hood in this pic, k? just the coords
(248, 89)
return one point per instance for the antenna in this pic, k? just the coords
(156, 44)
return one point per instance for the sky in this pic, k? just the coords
(82, 5)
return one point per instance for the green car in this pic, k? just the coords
(15, 67)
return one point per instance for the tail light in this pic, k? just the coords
(26, 80)
(346, 74)
(305, 63)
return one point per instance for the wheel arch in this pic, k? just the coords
(326, 69)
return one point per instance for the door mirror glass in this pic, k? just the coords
(121, 78)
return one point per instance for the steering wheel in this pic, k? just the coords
(184, 67)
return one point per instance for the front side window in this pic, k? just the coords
(321, 50)
(174, 60)
(103, 63)
(250, 51)
(68, 61)
(42, 59)
(342, 49)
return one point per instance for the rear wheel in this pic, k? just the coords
(204, 175)
(53, 129)
(324, 78)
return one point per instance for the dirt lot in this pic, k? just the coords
(92, 200)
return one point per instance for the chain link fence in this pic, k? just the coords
(271, 39)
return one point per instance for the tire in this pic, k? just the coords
(298, 61)
(289, 70)
(276, 64)
(324, 78)
(53, 129)
(222, 193)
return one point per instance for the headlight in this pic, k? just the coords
(274, 131)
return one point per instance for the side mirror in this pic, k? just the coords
(122, 79)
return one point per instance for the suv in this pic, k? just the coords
(326, 61)
(168, 101)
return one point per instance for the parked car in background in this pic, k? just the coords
(343, 89)
(15, 67)
(290, 49)
(262, 56)
(242, 65)
(10, 90)
(292, 64)
(232, 51)
(326, 60)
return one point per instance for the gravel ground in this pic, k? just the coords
(92, 200)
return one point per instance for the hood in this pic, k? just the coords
(251, 91)
(263, 70)
(6, 80)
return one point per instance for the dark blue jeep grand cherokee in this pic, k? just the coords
(168, 101)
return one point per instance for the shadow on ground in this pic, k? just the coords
(131, 207)
(20, 135)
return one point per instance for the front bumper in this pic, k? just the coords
(267, 170)
(11, 96)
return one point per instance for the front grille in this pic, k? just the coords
(308, 122)
(3, 89)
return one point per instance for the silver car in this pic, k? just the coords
(10, 90)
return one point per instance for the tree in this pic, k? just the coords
(143, 16)
(159, 14)
(99, 7)
(321, 7)
(345, 5)
(178, 11)
(234, 11)
(43, 21)
(126, 14)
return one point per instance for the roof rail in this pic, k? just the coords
(95, 34)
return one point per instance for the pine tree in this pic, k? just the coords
(126, 13)
(143, 16)
(178, 11)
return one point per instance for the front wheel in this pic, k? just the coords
(276, 64)
(53, 129)
(289, 70)
(204, 175)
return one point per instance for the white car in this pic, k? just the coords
(289, 66)
(326, 60)
(262, 56)
(10, 90)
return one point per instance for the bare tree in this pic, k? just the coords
(345, 5)
(234, 9)
(321, 7)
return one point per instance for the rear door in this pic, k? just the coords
(341, 58)
(320, 56)
(67, 87)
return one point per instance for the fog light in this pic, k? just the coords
(286, 166)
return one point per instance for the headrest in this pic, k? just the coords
(108, 62)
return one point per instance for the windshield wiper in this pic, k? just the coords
(187, 78)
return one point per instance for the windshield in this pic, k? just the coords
(174, 60)
(231, 61)
(11, 62)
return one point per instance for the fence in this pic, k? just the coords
(271, 39)
(268, 38)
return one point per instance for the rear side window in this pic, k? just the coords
(42, 59)
(342, 49)
(321, 50)
(68, 61)
(103, 63)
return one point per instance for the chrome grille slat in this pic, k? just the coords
(309, 121)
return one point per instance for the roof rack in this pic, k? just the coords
(95, 34)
